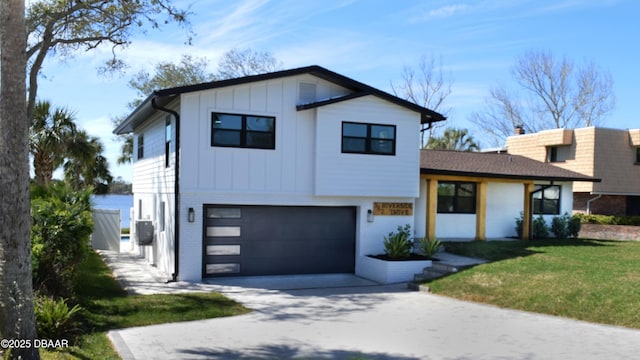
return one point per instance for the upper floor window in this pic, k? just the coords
(457, 197)
(361, 138)
(638, 156)
(167, 141)
(244, 131)
(547, 201)
(140, 146)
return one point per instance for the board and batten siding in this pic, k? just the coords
(287, 169)
(346, 174)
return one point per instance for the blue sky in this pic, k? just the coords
(370, 41)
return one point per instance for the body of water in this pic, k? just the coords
(115, 202)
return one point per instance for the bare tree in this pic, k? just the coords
(16, 294)
(554, 94)
(426, 86)
(243, 62)
(64, 27)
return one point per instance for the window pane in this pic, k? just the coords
(447, 189)
(353, 145)
(382, 146)
(382, 132)
(260, 140)
(259, 123)
(226, 137)
(445, 204)
(224, 213)
(466, 190)
(349, 129)
(226, 121)
(466, 205)
(552, 193)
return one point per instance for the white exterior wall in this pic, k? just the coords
(505, 202)
(153, 184)
(288, 175)
(363, 174)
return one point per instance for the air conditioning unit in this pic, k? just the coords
(144, 232)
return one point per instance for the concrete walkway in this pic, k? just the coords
(362, 321)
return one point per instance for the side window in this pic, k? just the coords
(363, 138)
(547, 201)
(168, 130)
(141, 146)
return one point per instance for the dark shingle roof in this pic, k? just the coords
(491, 165)
(164, 96)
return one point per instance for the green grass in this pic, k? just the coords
(596, 281)
(106, 306)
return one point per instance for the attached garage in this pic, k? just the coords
(277, 240)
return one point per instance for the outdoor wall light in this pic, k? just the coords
(191, 215)
(370, 215)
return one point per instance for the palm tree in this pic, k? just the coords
(48, 137)
(84, 165)
(55, 141)
(453, 139)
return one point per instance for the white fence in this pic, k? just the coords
(106, 232)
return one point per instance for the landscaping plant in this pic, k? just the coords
(54, 318)
(60, 233)
(397, 245)
(428, 247)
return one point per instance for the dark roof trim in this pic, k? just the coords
(506, 176)
(331, 101)
(144, 109)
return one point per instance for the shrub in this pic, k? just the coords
(519, 222)
(397, 245)
(573, 226)
(54, 318)
(428, 247)
(540, 230)
(609, 219)
(60, 231)
(560, 226)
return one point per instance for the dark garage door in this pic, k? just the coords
(275, 240)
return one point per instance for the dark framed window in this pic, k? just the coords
(167, 141)
(456, 198)
(638, 156)
(140, 146)
(547, 201)
(244, 131)
(552, 154)
(362, 138)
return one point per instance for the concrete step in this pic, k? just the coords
(436, 270)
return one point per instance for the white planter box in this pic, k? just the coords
(388, 272)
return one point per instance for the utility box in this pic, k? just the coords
(144, 232)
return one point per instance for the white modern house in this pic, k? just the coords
(296, 172)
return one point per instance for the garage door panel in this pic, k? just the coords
(269, 240)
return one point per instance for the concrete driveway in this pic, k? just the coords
(374, 322)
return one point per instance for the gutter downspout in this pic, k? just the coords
(176, 190)
(590, 201)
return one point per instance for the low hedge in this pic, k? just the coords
(609, 219)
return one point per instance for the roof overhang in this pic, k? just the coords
(165, 96)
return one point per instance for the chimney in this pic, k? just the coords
(519, 130)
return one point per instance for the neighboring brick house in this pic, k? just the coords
(612, 155)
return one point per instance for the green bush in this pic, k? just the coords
(60, 231)
(428, 247)
(397, 245)
(573, 226)
(560, 226)
(540, 229)
(519, 225)
(54, 318)
(609, 219)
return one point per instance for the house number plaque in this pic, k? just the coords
(392, 209)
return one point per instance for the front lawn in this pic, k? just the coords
(591, 280)
(106, 306)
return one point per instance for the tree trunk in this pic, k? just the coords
(16, 294)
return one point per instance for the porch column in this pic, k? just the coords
(481, 211)
(526, 221)
(432, 207)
